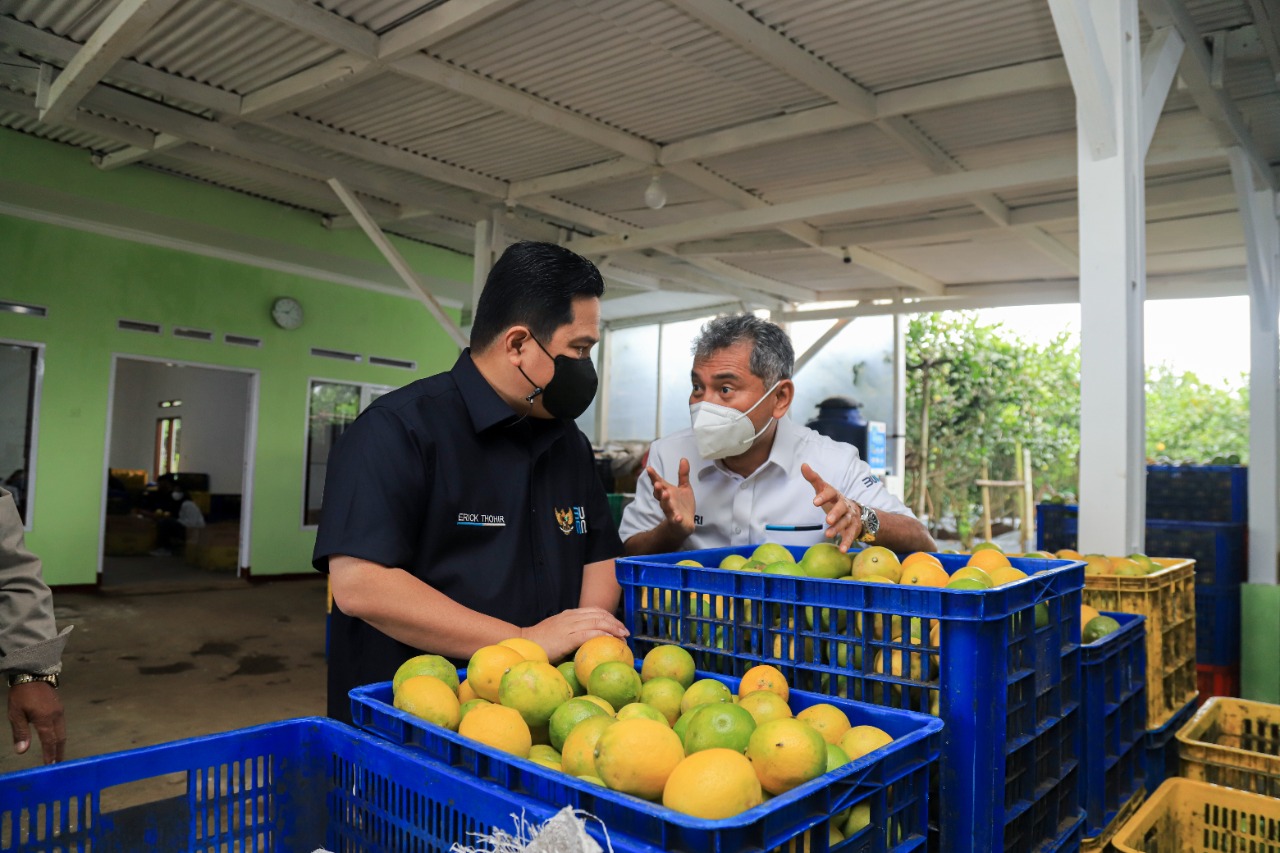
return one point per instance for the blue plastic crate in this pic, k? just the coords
(1219, 549)
(1161, 749)
(1057, 526)
(894, 780)
(288, 787)
(1201, 492)
(1218, 625)
(1113, 702)
(1011, 729)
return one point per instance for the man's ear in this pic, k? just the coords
(514, 340)
(783, 396)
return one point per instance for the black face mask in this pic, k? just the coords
(571, 389)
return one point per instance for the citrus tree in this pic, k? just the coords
(1196, 422)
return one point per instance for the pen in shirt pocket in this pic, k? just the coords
(794, 527)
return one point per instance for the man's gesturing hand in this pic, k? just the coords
(560, 635)
(676, 501)
(36, 705)
(844, 516)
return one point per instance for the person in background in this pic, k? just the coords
(464, 509)
(745, 473)
(30, 644)
(171, 527)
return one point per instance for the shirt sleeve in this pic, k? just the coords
(644, 513)
(29, 638)
(375, 493)
(868, 489)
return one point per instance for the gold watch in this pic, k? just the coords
(27, 678)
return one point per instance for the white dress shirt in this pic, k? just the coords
(732, 510)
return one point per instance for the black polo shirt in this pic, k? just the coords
(443, 479)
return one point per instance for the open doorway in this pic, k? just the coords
(177, 474)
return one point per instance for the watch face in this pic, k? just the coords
(287, 313)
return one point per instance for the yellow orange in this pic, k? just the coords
(1006, 574)
(920, 557)
(486, 668)
(499, 727)
(431, 699)
(764, 677)
(577, 754)
(765, 705)
(636, 756)
(988, 559)
(528, 649)
(828, 720)
(1087, 613)
(465, 693)
(974, 573)
(596, 651)
(713, 784)
(668, 662)
(535, 689)
(860, 740)
(786, 753)
(924, 573)
(426, 665)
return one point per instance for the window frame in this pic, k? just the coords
(367, 392)
(28, 518)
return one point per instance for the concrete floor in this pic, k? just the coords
(155, 661)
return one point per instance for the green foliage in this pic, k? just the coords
(990, 394)
(1195, 422)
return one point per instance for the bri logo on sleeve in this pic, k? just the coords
(571, 520)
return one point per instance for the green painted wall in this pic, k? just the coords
(88, 281)
(1260, 635)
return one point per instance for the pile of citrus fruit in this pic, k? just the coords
(660, 734)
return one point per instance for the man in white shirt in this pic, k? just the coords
(745, 473)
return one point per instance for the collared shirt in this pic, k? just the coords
(733, 510)
(443, 479)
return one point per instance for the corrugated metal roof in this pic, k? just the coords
(598, 58)
(65, 135)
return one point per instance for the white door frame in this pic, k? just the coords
(30, 495)
(250, 451)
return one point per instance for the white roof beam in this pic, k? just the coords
(402, 267)
(1267, 20)
(583, 176)
(15, 102)
(118, 34)
(1196, 69)
(36, 42)
(674, 316)
(315, 21)
(753, 36)
(1159, 66)
(817, 346)
(436, 25)
(305, 87)
(743, 244)
(1077, 35)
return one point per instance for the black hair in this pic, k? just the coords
(533, 284)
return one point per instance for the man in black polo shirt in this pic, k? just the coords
(464, 509)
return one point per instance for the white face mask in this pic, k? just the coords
(721, 431)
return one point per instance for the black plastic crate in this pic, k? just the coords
(1200, 492)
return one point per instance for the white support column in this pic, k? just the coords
(1262, 244)
(606, 386)
(482, 261)
(898, 429)
(1101, 43)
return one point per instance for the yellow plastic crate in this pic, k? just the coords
(1168, 599)
(1185, 816)
(1102, 841)
(1233, 742)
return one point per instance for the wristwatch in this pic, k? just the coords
(27, 678)
(870, 524)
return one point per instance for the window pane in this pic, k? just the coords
(677, 360)
(18, 376)
(332, 407)
(633, 383)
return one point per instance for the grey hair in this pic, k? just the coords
(772, 356)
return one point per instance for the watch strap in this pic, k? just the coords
(870, 524)
(28, 677)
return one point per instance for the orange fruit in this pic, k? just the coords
(426, 665)
(636, 757)
(974, 573)
(920, 557)
(528, 649)
(605, 706)
(577, 755)
(764, 677)
(828, 720)
(786, 753)
(498, 727)
(641, 711)
(721, 726)
(566, 669)
(765, 705)
(431, 699)
(535, 689)
(465, 693)
(486, 668)
(1006, 574)
(1069, 554)
(665, 695)
(668, 662)
(988, 559)
(468, 705)
(702, 692)
(713, 784)
(1087, 613)
(596, 651)
(924, 572)
(615, 682)
(860, 740)
(565, 718)
(878, 561)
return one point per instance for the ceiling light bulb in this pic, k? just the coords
(654, 195)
